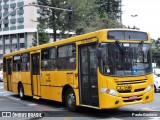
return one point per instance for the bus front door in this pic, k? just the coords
(35, 59)
(9, 73)
(88, 75)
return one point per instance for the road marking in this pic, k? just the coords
(62, 108)
(148, 109)
(6, 94)
(31, 104)
(112, 118)
(3, 92)
(1, 87)
(14, 98)
(154, 118)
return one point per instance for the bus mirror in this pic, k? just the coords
(99, 53)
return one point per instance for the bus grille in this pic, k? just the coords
(132, 100)
(131, 82)
(129, 91)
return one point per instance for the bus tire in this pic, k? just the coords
(21, 92)
(70, 100)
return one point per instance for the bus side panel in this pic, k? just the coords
(76, 91)
(14, 87)
(51, 93)
(27, 89)
(5, 81)
(5, 85)
(52, 82)
(57, 94)
(46, 92)
(15, 79)
(26, 80)
(46, 80)
(56, 79)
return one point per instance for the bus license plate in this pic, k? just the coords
(133, 97)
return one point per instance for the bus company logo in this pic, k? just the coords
(124, 87)
(6, 114)
(22, 114)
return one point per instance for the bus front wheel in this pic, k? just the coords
(70, 100)
(21, 92)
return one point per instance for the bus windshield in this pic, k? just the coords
(125, 59)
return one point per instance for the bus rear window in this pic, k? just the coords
(127, 35)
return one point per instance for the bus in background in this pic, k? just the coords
(104, 69)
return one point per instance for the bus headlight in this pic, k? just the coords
(110, 91)
(149, 88)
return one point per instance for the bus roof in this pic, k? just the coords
(69, 40)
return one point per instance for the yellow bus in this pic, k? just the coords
(104, 69)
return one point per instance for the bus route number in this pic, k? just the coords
(124, 87)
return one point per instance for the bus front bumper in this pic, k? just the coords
(108, 101)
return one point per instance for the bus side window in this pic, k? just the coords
(25, 62)
(48, 59)
(67, 57)
(16, 63)
(4, 64)
(52, 59)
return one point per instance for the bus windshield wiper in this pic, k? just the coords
(140, 46)
(120, 46)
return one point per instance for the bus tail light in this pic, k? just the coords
(110, 91)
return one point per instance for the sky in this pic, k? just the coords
(148, 15)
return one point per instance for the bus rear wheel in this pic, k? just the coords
(21, 92)
(70, 100)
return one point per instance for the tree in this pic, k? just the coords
(111, 7)
(42, 35)
(87, 15)
(156, 55)
(34, 39)
(54, 18)
(157, 43)
(156, 51)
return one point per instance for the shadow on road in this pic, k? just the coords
(82, 111)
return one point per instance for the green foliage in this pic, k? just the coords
(109, 6)
(157, 43)
(42, 35)
(34, 40)
(54, 18)
(88, 15)
(156, 55)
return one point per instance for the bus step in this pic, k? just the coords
(36, 97)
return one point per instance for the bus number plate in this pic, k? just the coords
(133, 97)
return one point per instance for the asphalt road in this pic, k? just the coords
(11, 105)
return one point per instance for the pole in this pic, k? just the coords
(37, 33)
(37, 36)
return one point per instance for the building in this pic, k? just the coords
(16, 31)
